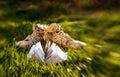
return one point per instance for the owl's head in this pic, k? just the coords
(51, 30)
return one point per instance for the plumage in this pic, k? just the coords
(55, 34)
(36, 36)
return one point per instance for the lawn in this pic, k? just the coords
(99, 29)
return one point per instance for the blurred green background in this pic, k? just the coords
(95, 22)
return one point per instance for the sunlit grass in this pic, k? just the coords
(100, 30)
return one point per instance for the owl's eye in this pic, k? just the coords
(38, 30)
(50, 33)
(42, 29)
(57, 31)
(26, 40)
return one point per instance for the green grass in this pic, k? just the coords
(100, 30)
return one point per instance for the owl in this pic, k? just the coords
(52, 33)
(36, 36)
(55, 34)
